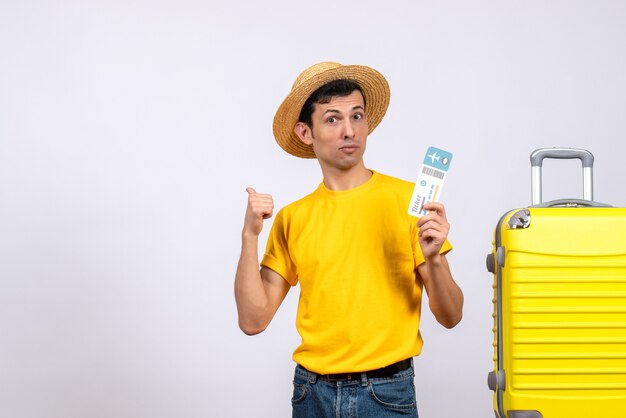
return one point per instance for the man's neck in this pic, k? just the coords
(336, 179)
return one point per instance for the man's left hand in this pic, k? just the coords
(434, 229)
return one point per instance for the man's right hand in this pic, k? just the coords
(260, 207)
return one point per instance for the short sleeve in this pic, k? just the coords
(277, 256)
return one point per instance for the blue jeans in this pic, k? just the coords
(361, 397)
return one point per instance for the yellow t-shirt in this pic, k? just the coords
(355, 254)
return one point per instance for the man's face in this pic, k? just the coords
(339, 131)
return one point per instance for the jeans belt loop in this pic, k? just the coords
(364, 379)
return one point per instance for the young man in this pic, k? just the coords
(360, 259)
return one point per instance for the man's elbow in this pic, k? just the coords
(450, 322)
(251, 329)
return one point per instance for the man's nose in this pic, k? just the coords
(348, 130)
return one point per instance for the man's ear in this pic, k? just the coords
(304, 133)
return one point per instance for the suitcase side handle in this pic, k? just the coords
(536, 162)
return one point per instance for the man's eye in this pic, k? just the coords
(358, 116)
(332, 120)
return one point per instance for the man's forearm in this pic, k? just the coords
(250, 292)
(445, 298)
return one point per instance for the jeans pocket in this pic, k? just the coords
(300, 391)
(397, 395)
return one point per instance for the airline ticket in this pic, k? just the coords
(430, 180)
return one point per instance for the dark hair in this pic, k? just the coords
(324, 94)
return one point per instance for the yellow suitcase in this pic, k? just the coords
(560, 305)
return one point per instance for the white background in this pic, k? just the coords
(130, 129)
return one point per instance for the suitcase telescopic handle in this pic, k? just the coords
(536, 162)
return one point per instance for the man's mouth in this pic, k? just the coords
(349, 148)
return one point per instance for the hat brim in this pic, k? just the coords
(375, 89)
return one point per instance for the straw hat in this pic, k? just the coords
(374, 86)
